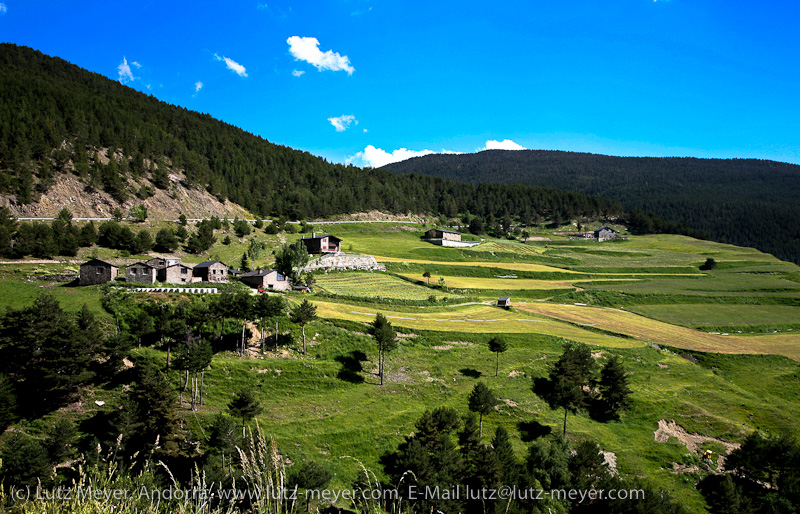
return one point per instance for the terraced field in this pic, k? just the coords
(494, 246)
(646, 329)
(476, 319)
(376, 285)
(693, 315)
(509, 284)
(514, 266)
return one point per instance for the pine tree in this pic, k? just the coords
(497, 345)
(244, 405)
(385, 340)
(573, 372)
(303, 314)
(482, 401)
(614, 389)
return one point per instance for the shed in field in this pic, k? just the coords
(504, 302)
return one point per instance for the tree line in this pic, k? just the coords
(57, 118)
(747, 202)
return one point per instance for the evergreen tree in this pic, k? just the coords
(501, 443)
(244, 405)
(548, 463)
(497, 345)
(25, 461)
(309, 476)
(88, 235)
(8, 402)
(151, 412)
(181, 233)
(59, 440)
(385, 340)
(614, 389)
(64, 216)
(166, 241)
(222, 434)
(289, 258)
(143, 242)
(573, 372)
(302, 314)
(482, 401)
(244, 264)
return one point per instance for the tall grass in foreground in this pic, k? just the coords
(260, 485)
(108, 486)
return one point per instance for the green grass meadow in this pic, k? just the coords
(645, 297)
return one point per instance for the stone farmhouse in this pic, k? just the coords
(141, 273)
(323, 243)
(437, 233)
(176, 274)
(96, 271)
(210, 271)
(443, 237)
(270, 280)
(605, 233)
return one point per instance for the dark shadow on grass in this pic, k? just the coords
(351, 366)
(469, 372)
(530, 430)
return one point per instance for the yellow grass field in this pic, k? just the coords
(646, 329)
(481, 319)
(508, 284)
(517, 266)
(522, 266)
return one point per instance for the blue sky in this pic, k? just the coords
(371, 81)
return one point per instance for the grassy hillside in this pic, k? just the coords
(740, 201)
(644, 300)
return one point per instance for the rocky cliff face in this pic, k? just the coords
(71, 192)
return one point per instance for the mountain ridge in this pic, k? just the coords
(57, 118)
(748, 202)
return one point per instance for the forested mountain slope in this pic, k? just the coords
(58, 118)
(741, 201)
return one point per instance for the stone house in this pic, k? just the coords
(323, 243)
(96, 271)
(449, 235)
(210, 271)
(605, 233)
(176, 274)
(270, 280)
(163, 262)
(141, 273)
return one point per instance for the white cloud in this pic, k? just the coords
(3, 8)
(125, 73)
(297, 73)
(232, 65)
(359, 12)
(343, 122)
(376, 157)
(197, 87)
(134, 63)
(262, 7)
(505, 144)
(305, 49)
